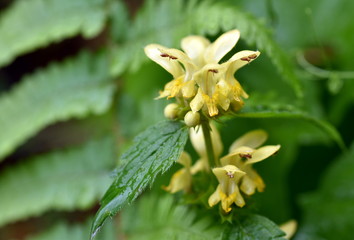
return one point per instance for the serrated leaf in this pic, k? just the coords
(160, 217)
(62, 180)
(329, 211)
(253, 227)
(153, 152)
(288, 111)
(63, 231)
(74, 88)
(166, 22)
(30, 24)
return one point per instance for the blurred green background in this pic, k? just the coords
(75, 88)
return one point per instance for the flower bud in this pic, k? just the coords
(192, 119)
(171, 111)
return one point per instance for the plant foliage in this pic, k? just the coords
(288, 111)
(43, 22)
(64, 230)
(329, 211)
(74, 88)
(179, 222)
(80, 176)
(170, 221)
(253, 227)
(153, 152)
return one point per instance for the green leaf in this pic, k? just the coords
(153, 152)
(169, 221)
(29, 24)
(63, 230)
(179, 222)
(167, 22)
(329, 211)
(289, 111)
(253, 227)
(62, 180)
(74, 88)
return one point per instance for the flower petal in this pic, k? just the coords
(197, 139)
(185, 160)
(252, 139)
(211, 105)
(208, 76)
(262, 153)
(180, 56)
(221, 99)
(224, 174)
(198, 101)
(247, 185)
(154, 53)
(181, 180)
(237, 198)
(201, 165)
(188, 89)
(214, 198)
(240, 59)
(236, 153)
(218, 49)
(195, 46)
(254, 176)
(289, 228)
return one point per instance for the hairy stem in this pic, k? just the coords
(213, 162)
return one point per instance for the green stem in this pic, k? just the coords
(213, 162)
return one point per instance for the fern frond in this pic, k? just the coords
(73, 88)
(166, 22)
(66, 231)
(30, 24)
(160, 218)
(62, 180)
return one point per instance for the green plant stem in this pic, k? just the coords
(213, 162)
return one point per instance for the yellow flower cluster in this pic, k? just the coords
(235, 175)
(200, 81)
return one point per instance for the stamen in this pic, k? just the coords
(245, 156)
(230, 174)
(169, 56)
(213, 70)
(249, 58)
(245, 59)
(253, 56)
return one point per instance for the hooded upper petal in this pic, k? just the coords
(262, 153)
(238, 60)
(153, 51)
(218, 49)
(194, 47)
(178, 55)
(252, 139)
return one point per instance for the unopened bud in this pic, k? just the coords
(237, 105)
(171, 111)
(192, 119)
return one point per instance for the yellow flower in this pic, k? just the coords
(227, 191)
(243, 154)
(237, 168)
(197, 75)
(182, 179)
(289, 228)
